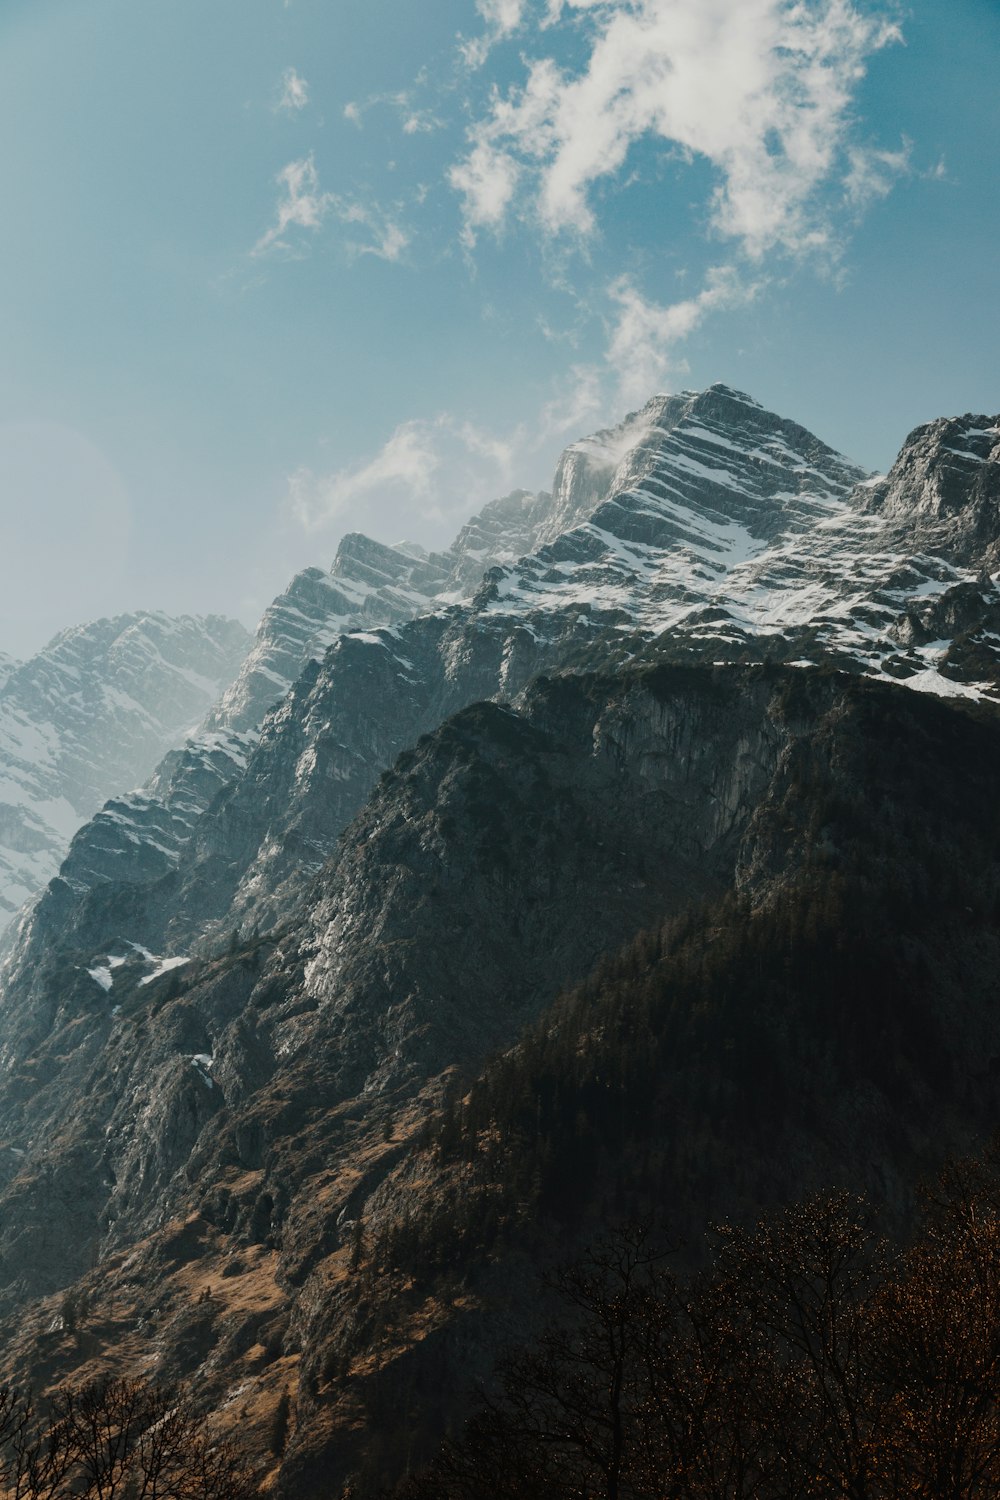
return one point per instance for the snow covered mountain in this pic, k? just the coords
(701, 529)
(161, 681)
(732, 535)
(369, 585)
(93, 712)
(228, 1020)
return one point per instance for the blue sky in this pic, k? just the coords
(271, 270)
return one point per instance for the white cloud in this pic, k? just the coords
(873, 174)
(420, 122)
(294, 92)
(573, 409)
(641, 349)
(487, 179)
(403, 469)
(503, 18)
(761, 89)
(435, 470)
(413, 119)
(300, 206)
(386, 240)
(303, 206)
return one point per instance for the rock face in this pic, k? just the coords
(431, 801)
(90, 714)
(226, 1123)
(945, 483)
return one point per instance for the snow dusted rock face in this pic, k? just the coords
(502, 532)
(138, 836)
(91, 713)
(702, 529)
(371, 584)
(694, 486)
(368, 584)
(946, 483)
(729, 534)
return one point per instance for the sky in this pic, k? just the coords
(275, 270)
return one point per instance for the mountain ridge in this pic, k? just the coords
(740, 703)
(634, 572)
(148, 674)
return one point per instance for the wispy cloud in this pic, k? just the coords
(761, 89)
(503, 18)
(414, 120)
(294, 92)
(579, 401)
(403, 468)
(437, 471)
(302, 206)
(487, 179)
(419, 122)
(642, 347)
(873, 174)
(385, 238)
(428, 470)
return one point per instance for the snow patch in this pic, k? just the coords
(163, 966)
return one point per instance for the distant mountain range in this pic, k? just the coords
(697, 748)
(90, 715)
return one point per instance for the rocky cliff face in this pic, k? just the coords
(944, 482)
(228, 1122)
(533, 840)
(496, 861)
(419, 815)
(91, 714)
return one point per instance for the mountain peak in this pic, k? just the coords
(946, 481)
(730, 392)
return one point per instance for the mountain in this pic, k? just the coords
(91, 713)
(702, 527)
(734, 535)
(639, 875)
(139, 835)
(215, 1133)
